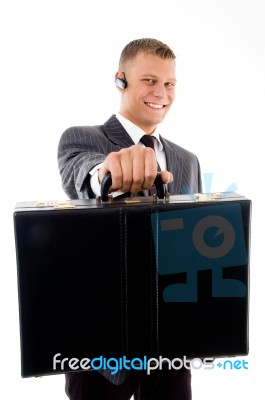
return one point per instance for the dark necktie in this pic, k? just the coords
(147, 140)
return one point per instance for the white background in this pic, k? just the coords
(57, 63)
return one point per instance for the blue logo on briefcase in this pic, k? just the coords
(196, 239)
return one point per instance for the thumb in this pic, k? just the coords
(166, 177)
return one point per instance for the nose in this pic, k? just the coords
(159, 90)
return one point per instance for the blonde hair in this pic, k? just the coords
(145, 45)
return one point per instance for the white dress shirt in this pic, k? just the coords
(135, 133)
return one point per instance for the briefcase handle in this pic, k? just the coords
(107, 181)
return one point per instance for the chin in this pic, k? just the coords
(157, 121)
(158, 117)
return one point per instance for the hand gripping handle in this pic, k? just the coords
(107, 181)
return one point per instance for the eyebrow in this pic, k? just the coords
(156, 77)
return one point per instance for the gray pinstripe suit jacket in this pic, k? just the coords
(82, 148)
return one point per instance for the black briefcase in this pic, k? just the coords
(137, 277)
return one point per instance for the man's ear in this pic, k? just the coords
(120, 80)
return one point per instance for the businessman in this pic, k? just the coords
(129, 146)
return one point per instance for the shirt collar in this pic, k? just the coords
(136, 133)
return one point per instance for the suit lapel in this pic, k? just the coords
(116, 133)
(174, 165)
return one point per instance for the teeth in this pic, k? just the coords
(155, 105)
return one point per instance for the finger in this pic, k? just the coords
(150, 168)
(127, 171)
(112, 164)
(138, 169)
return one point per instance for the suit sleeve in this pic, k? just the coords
(80, 149)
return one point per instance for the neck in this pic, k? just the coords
(146, 129)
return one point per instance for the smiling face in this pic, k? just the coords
(150, 90)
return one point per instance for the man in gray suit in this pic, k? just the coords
(146, 81)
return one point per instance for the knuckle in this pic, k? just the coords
(126, 183)
(137, 180)
(150, 177)
(149, 151)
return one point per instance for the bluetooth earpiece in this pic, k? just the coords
(120, 82)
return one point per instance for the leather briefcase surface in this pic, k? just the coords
(134, 277)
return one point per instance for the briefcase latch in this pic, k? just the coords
(56, 205)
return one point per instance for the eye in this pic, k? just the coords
(149, 81)
(170, 84)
